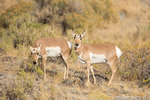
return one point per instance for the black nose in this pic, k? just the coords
(76, 44)
(34, 62)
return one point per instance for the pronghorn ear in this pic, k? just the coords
(30, 48)
(83, 34)
(38, 48)
(73, 33)
(40, 45)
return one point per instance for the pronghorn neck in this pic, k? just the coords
(78, 49)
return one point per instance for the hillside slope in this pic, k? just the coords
(125, 23)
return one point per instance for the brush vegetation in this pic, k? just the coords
(123, 23)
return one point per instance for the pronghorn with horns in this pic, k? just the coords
(51, 47)
(96, 53)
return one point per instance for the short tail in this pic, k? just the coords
(118, 52)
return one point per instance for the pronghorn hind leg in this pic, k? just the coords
(93, 74)
(67, 64)
(114, 69)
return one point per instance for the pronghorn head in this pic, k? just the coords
(78, 38)
(35, 52)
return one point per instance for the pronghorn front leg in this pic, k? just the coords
(44, 58)
(40, 63)
(88, 68)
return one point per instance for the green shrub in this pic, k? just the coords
(105, 10)
(134, 65)
(39, 71)
(10, 14)
(20, 86)
(78, 14)
(76, 21)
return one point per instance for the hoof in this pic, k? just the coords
(87, 84)
(108, 84)
(44, 78)
(64, 78)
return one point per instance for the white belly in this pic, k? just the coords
(95, 58)
(53, 51)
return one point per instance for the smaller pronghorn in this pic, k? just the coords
(96, 53)
(51, 47)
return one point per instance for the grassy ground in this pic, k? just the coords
(126, 24)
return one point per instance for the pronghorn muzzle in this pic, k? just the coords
(76, 44)
(34, 62)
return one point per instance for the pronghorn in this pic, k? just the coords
(96, 53)
(51, 47)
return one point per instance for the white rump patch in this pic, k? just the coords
(118, 52)
(97, 58)
(53, 51)
(69, 44)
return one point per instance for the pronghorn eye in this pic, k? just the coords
(31, 53)
(37, 53)
(80, 37)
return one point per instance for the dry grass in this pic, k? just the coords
(130, 29)
(130, 33)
